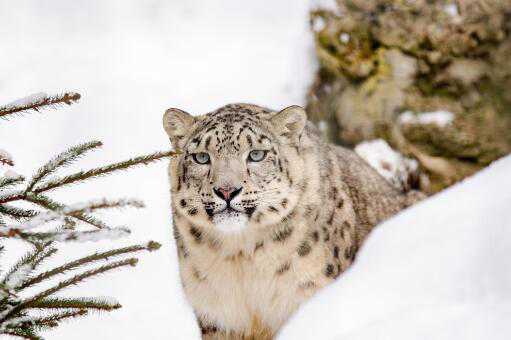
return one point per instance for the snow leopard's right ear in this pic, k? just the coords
(289, 123)
(177, 123)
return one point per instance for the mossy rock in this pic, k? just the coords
(381, 58)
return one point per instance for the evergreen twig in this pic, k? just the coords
(63, 159)
(9, 181)
(37, 102)
(150, 246)
(17, 213)
(97, 172)
(79, 303)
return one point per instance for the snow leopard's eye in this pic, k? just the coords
(257, 155)
(201, 158)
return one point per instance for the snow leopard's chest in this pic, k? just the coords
(267, 285)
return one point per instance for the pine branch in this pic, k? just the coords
(45, 253)
(48, 203)
(54, 319)
(17, 213)
(81, 303)
(150, 246)
(24, 333)
(37, 102)
(74, 235)
(41, 322)
(63, 159)
(69, 282)
(10, 181)
(60, 212)
(97, 172)
(11, 195)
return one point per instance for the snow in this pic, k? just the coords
(318, 24)
(389, 163)
(37, 221)
(441, 118)
(344, 37)
(439, 270)
(28, 100)
(93, 235)
(102, 203)
(452, 10)
(11, 174)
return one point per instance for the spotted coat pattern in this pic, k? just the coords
(305, 210)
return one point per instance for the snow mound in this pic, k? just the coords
(394, 167)
(439, 270)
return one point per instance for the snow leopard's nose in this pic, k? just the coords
(227, 193)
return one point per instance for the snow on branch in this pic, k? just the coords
(59, 215)
(37, 102)
(77, 236)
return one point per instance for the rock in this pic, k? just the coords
(381, 58)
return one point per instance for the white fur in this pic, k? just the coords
(230, 222)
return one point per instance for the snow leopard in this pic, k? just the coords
(265, 213)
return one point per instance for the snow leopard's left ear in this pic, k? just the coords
(177, 123)
(289, 123)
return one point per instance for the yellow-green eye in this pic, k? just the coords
(256, 155)
(201, 158)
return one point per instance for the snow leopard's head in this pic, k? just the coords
(239, 166)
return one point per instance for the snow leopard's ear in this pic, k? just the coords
(177, 123)
(289, 123)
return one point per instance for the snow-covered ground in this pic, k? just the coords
(440, 270)
(431, 269)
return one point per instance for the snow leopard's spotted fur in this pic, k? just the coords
(301, 215)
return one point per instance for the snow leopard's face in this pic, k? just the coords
(237, 166)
